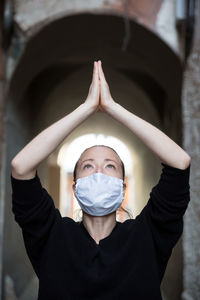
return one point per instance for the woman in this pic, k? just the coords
(100, 258)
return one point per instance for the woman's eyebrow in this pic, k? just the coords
(91, 159)
(109, 159)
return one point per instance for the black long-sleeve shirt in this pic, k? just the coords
(127, 264)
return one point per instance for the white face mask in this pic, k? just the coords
(99, 194)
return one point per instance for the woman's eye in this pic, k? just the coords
(111, 166)
(87, 167)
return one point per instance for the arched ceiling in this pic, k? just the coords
(71, 42)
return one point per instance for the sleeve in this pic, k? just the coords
(165, 210)
(35, 213)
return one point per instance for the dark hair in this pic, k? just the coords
(122, 164)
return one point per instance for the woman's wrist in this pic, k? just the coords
(88, 108)
(111, 108)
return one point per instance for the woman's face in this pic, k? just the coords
(99, 159)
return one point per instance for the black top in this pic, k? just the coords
(127, 264)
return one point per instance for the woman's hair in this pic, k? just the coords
(126, 210)
(122, 164)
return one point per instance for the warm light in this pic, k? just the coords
(69, 154)
(67, 158)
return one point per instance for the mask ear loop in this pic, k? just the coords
(74, 186)
(124, 189)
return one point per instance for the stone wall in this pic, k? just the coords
(157, 15)
(191, 122)
(1, 150)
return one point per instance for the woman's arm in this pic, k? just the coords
(159, 143)
(25, 163)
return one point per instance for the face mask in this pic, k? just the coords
(99, 194)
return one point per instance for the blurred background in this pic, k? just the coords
(150, 52)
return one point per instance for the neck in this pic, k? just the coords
(99, 227)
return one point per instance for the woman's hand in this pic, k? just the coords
(94, 91)
(106, 100)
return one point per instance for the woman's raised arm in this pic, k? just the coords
(158, 142)
(25, 163)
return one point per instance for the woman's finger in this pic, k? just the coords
(95, 78)
(94, 86)
(105, 95)
(101, 73)
(95, 72)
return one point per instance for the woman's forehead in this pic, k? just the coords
(99, 152)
